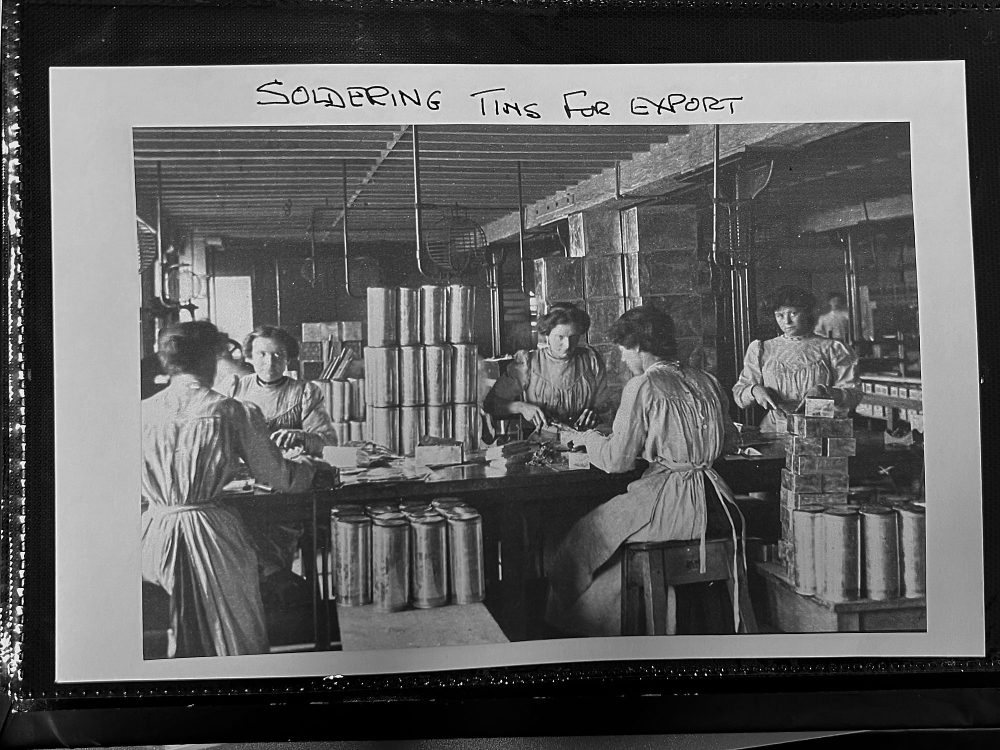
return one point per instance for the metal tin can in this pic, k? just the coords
(804, 523)
(461, 313)
(385, 427)
(382, 376)
(447, 502)
(438, 364)
(912, 550)
(411, 427)
(353, 533)
(429, 560)
(433, 315)
(465, 378)
(383, 316)
(339, 510)
(340, 403)
(342, 431)
(409, 317)
(414, 505)
(356, 431)
(465, 552)
(439, 421)
(411, 375)
(841, 542)
(374, 509)
(465, 426)
(390, 563)
(880, 552)
(358, 400)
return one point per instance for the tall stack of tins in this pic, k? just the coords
(815, 478)
(421, 366)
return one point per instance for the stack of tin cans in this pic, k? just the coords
(409, 553)
(346, 404)
(421, 368)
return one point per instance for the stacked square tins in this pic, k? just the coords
(421, 369)
(408, 553)
(835, 550)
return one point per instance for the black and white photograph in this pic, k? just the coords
(547, 375)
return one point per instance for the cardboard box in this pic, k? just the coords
(840, 447)
(801, 482)
(803, 446)
(819, 465)
(803, 426)
(835, 483)
(819, 407)
(343, 457)
(578, 460)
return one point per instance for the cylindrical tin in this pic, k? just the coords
(356, 431)
(353, 533)
(465, 426)
(358, 401)
(340, 510)
(465, 553)
(429, 560)
(465, 378)
(912, 550)
(804, 523)
(411, 427)
(439, 421)
(342, 431)
(433, 315)
(880, 552)
(411, 375)
(409, 317)
(438, 363)
(340, 403)
(383, 316)
(375, 509)
(382, 376)
(448, 502)
(385, 427)
(390, 563)
(414, 505)
(841, 541)
(461, 313)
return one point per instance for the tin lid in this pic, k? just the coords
(447, 502)
(875, 510)
(353, 520)
(381, 508)
(463, 514)
(414, 506)
(842, 510)
(345, 509)
(912, 508)
(426, 518)
(391, 521)
(387, 516)
(810, 509)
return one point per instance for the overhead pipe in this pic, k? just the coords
(277, 288)
(520, 229)
(416, 202)
(347, 263)
(312, 250)
(164, 297)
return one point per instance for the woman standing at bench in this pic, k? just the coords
(674, 416)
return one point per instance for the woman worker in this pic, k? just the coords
(194, 548)
(675, 417)
(560, 381)
(780, 373)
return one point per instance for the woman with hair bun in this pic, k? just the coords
(559, 381)
(780, 373)
(196, 549)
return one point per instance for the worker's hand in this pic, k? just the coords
(571, 437)
(819, 391)
(286, 439)
(764, 397)
(532, 412)
(586, 420)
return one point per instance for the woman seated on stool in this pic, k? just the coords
(675, 417)
(560, 381)
(193, 547)
(780, 373)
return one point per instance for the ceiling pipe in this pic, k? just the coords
(160, 251)
(347, 262)
(520, 229)
(416, 202)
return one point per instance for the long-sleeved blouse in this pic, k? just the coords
(195, 548)
(789, 367)
(290, 404)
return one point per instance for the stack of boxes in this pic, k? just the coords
(815, 473)
(322, 343)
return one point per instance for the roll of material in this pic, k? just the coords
(438, 368)
(356, 431)
(805, 520)
(385, 427)
(340, 402)
(411, 375)
(343, 432)
(390, 563)
(358, 400)
(880, 552)
(411, 427)
(465, 552)
(382, 376)
(465, 426)
(383, 316)
(429, 560)
(461, 313)
(433, 315)
(465, 378)
(409, 317)
(353, 545)
(842, 559)
(912, 550)
(439, 421)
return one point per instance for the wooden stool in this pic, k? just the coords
(649, 569)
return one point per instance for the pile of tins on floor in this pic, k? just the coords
(395, 555)
(832, 548)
